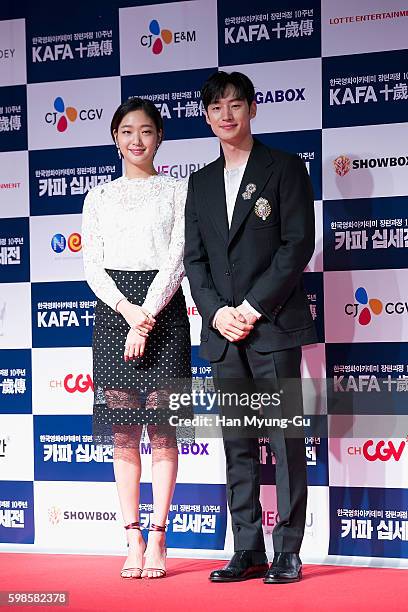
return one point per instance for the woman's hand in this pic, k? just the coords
(137, 317)
(134, 345)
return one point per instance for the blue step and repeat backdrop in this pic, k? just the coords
(332, 86)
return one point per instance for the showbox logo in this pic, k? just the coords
(365, 307)
(62, 113)
(57, 516)
(158, 36)
(343, 164)
(59, 243)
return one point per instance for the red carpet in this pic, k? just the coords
(93, 584)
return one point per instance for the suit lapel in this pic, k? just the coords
(217, 206)
(257, 171)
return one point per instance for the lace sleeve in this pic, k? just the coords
(170, 275)
(92, 250)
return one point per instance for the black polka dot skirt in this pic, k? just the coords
(136, 392)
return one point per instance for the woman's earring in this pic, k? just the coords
(118, 149)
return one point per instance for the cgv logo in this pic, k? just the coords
(82, 383)
(62, 113)
(382, 451)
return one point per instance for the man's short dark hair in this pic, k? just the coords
(217, 84)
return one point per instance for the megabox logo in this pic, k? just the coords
(63, 113)
(343, 164)
(59, 243)
(280, 95)
(158, 36)
(365, 307)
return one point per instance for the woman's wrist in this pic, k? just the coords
(121, 305)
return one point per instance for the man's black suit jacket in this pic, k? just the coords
(259, 260)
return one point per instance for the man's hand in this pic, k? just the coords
(247, 314)
(232, 324)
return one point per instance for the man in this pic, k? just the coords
(249, 236)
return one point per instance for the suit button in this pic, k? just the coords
(227, 273)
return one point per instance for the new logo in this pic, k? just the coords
(59, 243)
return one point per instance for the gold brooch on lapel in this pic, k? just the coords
(262, 208)
(249, 190)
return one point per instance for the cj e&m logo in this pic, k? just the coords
(157, 36)
(343, 164)
(62, 114)
(382, 451)
(59, 243)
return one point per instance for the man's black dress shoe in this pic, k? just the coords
(245, 564)
(286, 567)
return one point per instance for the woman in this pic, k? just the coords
(133, 241)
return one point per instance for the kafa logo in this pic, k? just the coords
(382, 451)
(63, 114)
(158, 37)
(59, 243)
(258, 32)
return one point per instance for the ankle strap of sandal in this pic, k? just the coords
(135, 525)
(154, 527)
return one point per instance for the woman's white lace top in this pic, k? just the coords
(135, 224)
